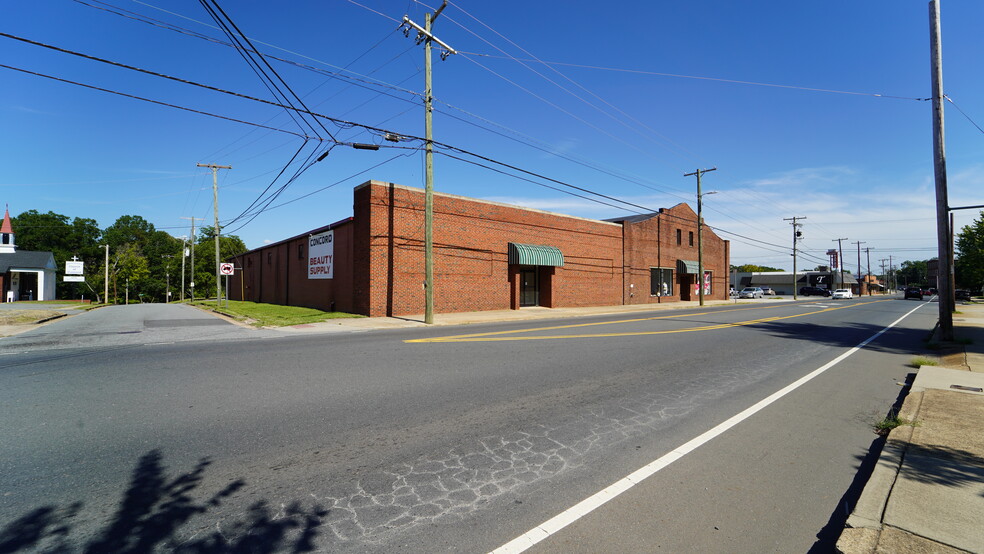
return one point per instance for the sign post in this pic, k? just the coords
(226, 269)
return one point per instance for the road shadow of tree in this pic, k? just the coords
(847, 335)
(152, 511)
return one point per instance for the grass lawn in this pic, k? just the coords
(270, 315)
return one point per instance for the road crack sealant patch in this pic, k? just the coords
(516, 335)
(447, 488)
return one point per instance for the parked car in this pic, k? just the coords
(751, 292)
(733, 292)
(843, 293)
(913, 292)
(768, 291)
(961, 294)
(814, 291)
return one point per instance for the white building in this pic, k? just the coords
(24, 275)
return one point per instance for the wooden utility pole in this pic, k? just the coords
(867, 252)
(183, 248)
(192, 254)
(796, 236)
(860, 279)
(700, 232)
(840, 262)
(424, 35)
(215, 209)
(939, 158)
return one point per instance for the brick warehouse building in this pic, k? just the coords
(487, 256)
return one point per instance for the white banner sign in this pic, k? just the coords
(74, 268)
(74, 279)
(321, 256)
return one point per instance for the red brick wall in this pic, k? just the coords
(277, 274)
(652, 243)
(470, 253)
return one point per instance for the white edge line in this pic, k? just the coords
(588, 505)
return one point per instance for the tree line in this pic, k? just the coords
(144, 263)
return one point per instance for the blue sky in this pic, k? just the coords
(619, 99)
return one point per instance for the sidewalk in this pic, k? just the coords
(926, 493)
(522, 314)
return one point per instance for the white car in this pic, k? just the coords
(842, 293)
(751, 292)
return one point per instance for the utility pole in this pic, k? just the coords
(860, 279)
(215, 208)
(796, 235)
(939, 157)
(424, 35)
(867, 252)
(700, 232)
(192, 254)
(840, 262)
(184, 248)
(106, 282)
(895, 278)
(167, 276)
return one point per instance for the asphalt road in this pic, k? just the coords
(145, 428)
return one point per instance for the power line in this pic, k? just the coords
(144, 99)
(972, 122)
(701, 78)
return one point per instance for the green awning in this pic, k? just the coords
(534, 254)
(687, 266)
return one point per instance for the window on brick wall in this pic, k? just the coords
(691, 238)
(660, 281)
(679, 237)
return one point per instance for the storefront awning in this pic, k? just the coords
(687, 266)
(534, 254)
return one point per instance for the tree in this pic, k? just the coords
(914, 271)
(51, 232)
(969, 261)
(752, 268)
(127, 229)
(129, 268)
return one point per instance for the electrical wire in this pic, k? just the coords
(972, 122)
(152, 101)
(717, 79)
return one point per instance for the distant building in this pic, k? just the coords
(24, 275)
(782, 281)
(487, 256)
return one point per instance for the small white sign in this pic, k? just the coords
(226, 269)
(74, 268)
(321, 255)
(74, 279)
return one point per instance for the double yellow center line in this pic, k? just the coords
(513, 334)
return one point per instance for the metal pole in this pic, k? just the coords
(106, 284)
(939, 157)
